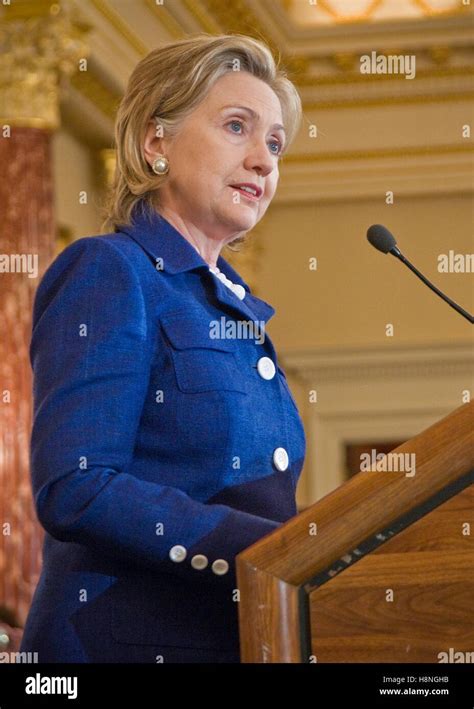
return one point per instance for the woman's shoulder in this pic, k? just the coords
(109, 256)
(115, 245)
(95, 277)
(90, 265)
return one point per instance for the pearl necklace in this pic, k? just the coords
(234, 287)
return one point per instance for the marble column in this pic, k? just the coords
(41, 45)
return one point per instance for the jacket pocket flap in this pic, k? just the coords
(186, 331)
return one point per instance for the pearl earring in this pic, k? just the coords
(160, 165)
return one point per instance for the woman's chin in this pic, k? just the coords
(241, 217)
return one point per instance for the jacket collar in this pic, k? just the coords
(176, 255)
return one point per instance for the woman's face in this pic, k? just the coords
(234, 136)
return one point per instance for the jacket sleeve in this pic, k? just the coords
(91, 353)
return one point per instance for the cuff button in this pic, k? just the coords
(178, 553)
(199, 562)
(220, 567)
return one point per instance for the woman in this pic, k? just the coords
(163, 443)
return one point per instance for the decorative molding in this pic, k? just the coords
(165, 16)
(325, 12)
(236, 16)
(334, 365)
(353, 77)
(424, 172)
(371, 394)
(315, 40)
(91, 86)
(202, 15)
(82, 118)
(239, 17)
(386, 100)
(320, 68)
(121, 27)
(36, 55)
(380, 154)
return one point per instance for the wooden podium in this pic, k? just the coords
(380, 570)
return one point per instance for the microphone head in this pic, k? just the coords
(380, 237)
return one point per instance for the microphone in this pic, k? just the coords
(381, 239)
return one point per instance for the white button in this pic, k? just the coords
(266, 368)
(220, 567)
(178, 553)
(280, 459)
(199, 562)
(239, 291)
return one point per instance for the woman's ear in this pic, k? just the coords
(153, 143)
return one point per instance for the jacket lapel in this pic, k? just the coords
(175, 254)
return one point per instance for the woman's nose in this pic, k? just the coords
(259, 159)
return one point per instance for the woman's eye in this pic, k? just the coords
(278, 146)
(235, 123)
(239, 129)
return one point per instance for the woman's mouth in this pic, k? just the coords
(251, 192)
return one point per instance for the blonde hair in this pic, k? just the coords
(167, 85)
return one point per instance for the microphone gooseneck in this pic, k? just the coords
(381, 238)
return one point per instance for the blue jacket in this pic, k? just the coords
(162, 446)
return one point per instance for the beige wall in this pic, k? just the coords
(74, 172)
(356, 290)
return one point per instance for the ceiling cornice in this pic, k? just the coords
(378, 153)
(322, 62)
(121, 27)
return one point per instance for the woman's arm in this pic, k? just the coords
(91, 353)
